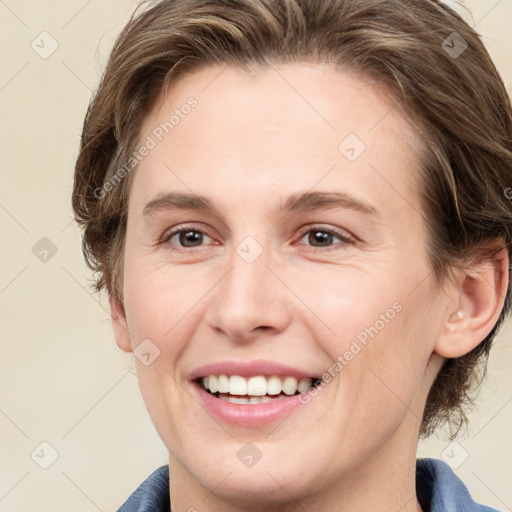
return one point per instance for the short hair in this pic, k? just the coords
(431, 62)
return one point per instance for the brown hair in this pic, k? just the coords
(416, 49)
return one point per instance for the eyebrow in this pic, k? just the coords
(299, 202)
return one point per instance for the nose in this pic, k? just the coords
(249, 300)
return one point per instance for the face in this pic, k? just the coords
(300, 254)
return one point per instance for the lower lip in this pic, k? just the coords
(247, 415)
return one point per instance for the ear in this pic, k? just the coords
(119, 325)
(478, 296)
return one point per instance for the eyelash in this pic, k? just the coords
(345, 239)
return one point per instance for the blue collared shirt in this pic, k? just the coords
(438, 489)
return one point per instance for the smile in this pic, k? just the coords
(257, 389)
(253, 400)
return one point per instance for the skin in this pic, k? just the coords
(252, 141)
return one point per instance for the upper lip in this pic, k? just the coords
(249, 369)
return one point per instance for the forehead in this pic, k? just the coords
(312, 93)
(280, 126)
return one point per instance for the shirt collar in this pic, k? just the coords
(439, 489)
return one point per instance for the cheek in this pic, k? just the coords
(160, 303)
(395, 358)
(382, 336)
(349, 305)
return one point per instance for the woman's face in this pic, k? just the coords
(306, 254)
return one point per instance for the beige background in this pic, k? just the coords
(63, 380)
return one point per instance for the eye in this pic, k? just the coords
(184, 237)
(318, 236)
(321, 237)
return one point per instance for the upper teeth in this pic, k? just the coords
(256, 386)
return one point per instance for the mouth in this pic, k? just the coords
(257, 389)
(254, 394)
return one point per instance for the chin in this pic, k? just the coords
(260, 489)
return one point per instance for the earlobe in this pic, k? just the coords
(119, 325)
(480, 296)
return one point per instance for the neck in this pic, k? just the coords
(384, 482)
